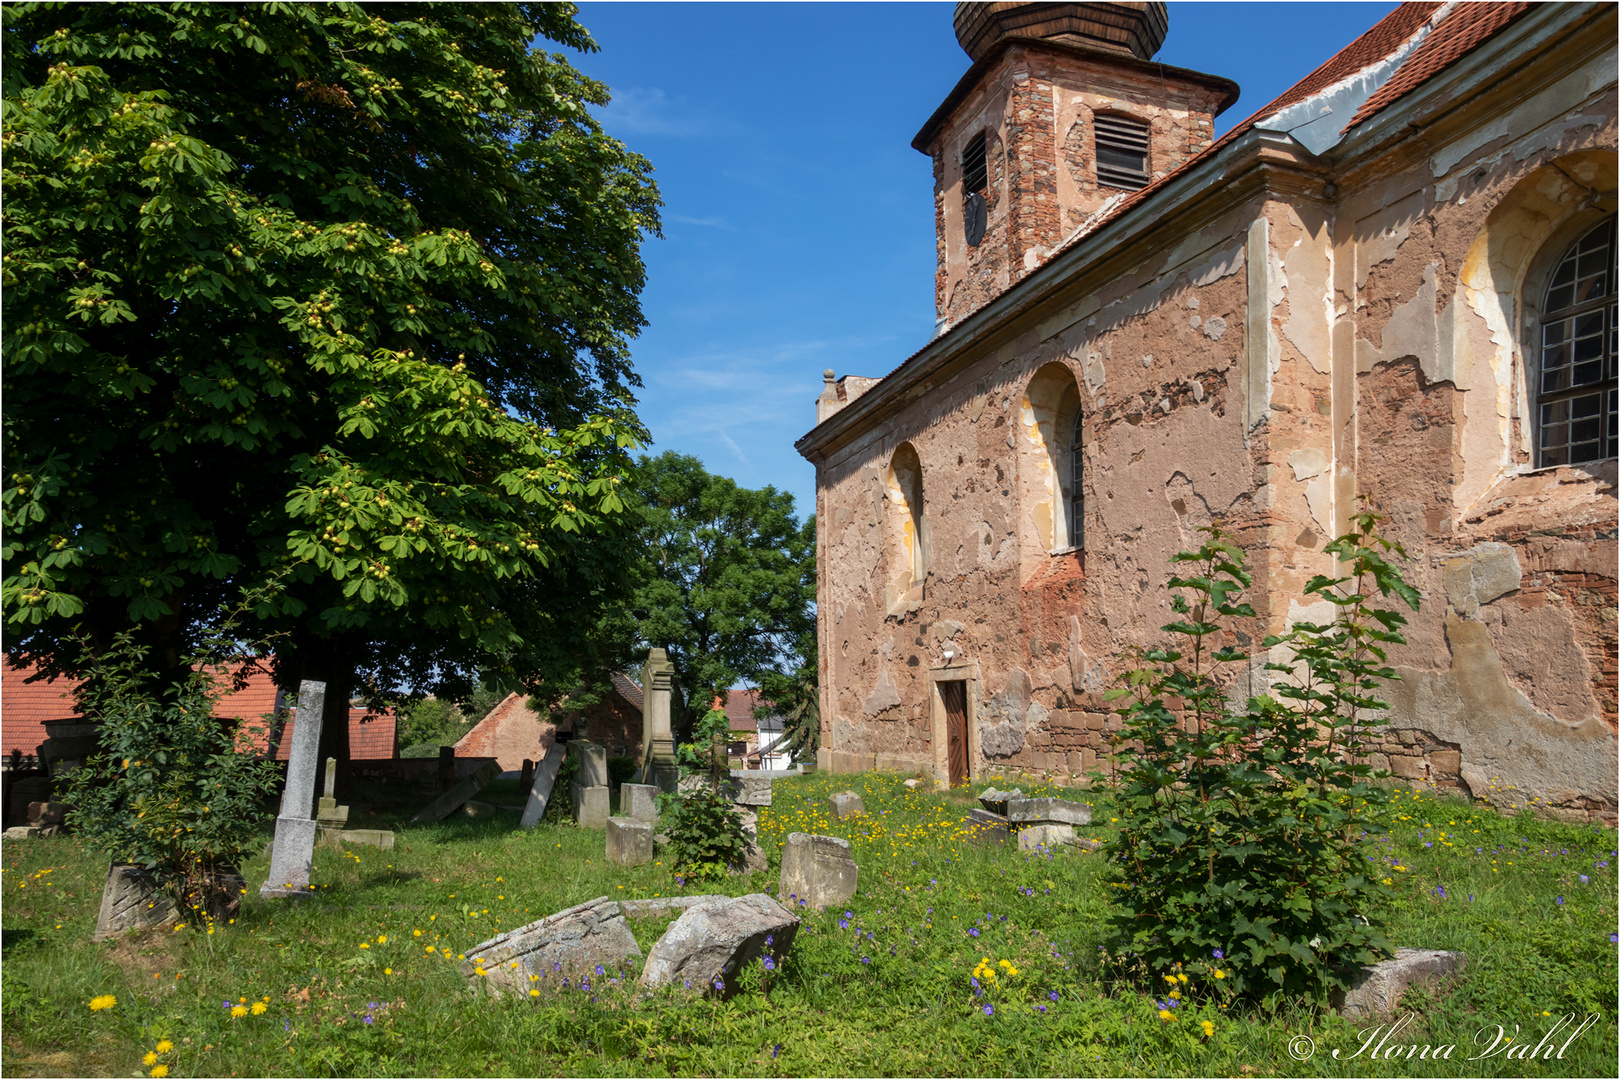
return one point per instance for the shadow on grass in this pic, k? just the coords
(11, 939)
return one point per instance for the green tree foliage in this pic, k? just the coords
(723, 578)
(1239, 837)
(172, 788)
(333, 298)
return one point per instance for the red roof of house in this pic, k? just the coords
(510, 733)
(740, 706)
(25, 706)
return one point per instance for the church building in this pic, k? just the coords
(1395, 282)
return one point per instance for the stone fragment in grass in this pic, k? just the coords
(817, 869)
(629, 842)
(711, 943)
(1048, 836)
(753, 860)
(476, 810)
(638, 801)
(567, 944)
(1376, 990)
(996, 801)
(131, 900)
(913, 783)
(378, 838)
(846, 805)
(987, 827)
(540, 791)
(446, 804)
(751, 790)
(658, 905)
(1047, 811)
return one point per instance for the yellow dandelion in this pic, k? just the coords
(102, 1001)
(159, 1070)
(149, 1059)
(1166, 1014)
(259, 1008)
(238, 1011)
(165, 1046)
(1209, 1029)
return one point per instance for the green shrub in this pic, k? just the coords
(172, 788)
(705, 831)
(1238, 848)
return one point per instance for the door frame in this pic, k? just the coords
(958, 670)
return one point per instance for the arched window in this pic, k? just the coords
(1076, 491)
(1575, 386)
(910, 527)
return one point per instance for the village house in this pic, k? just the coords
(1397, 281)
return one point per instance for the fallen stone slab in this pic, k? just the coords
(751, 790)
(996, 801)
(474, 809)
(711, 943)
(1047, 811)
(1377, 988)
(446, 804)
(817, 870)
(568, 943)
(21, 832)
(659, 905)
(629, 842)
(986, 827)
(846, 805)
(131, 900)
(378, 838)
(1045, 836)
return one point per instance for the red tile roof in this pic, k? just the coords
(1466, 27)
(509, 733)
(24, 708)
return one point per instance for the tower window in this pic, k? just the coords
(1122, 151)
(1077, 497)
(975, 174)
(1576, 385)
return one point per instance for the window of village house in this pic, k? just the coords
(1575, 384)
(1122, 151)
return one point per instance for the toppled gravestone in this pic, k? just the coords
(445, 804)
(131, 900)
(846, 805)
(817, 870)
(996, 801)
(571, 942)
(1045, 836)
(1022, 813)
(1377, 988)
(710, 943)
(986, 827)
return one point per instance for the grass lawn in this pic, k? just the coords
(363, 979)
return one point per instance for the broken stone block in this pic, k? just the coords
(477, 810)
(20, 832)
(446, 804)
(1047, 836)
(913, 783)
(817, 869)
(657, 905)
(1377, 988)
(378, 838)
(639, 801)
(846, 805)
(711, 943)
(591, 806)
(41, 814)
(996, 801)
(567, 944)
(753, 860)
(987, 828)
(751, 790)
(629, 842)
(1047, 811)
(592, 763)
(131, 900)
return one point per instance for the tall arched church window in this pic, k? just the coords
(1575, 388)
(1077, 498)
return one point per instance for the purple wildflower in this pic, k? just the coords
(989, 1009)
(1053, 995)
(1219, 955)
(367, 1019)
(1559, 900)
(975, 930)
(770, 965)
(1584, 879)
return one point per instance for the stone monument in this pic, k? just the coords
(329, 816)
(658, 765)
(294, 848)
(590, 792)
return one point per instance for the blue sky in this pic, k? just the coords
(798, 220)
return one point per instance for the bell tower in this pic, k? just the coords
(1063, 112)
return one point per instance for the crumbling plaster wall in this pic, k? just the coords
(1508, 687)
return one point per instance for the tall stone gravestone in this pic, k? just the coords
(591, 792)
(658, 765)
(294, 850)
(329, 816)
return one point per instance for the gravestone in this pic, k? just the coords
(540, 791)
(131, 900)
(846, 805)
(996, 801)
(42, 814)
(1022, 812)
(446, 804)
(710, 944)
(629, 842)
(567, 944)
(293, 852)
(1377, 988)
(329, 815)
(658, 765)
(447, 767)
(1047, 835)
(592, 807)
(639, 801)
(378, 838)
(590, 793)
(817, 869)
(986, 827)
(592, 763)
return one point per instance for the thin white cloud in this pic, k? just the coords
(708, 222)
(647, 110)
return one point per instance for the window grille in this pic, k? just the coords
(1077, 497)
(1575, 380)
(1122, 151)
